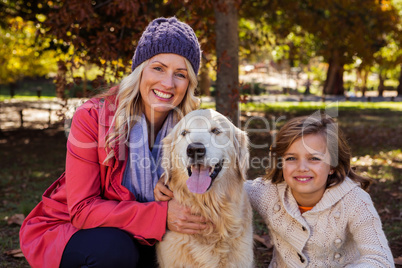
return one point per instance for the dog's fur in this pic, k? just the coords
(229, 242)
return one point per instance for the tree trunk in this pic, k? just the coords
(205, 83)
(364, 83)
(227, 47)
(334, 82)
(13, 87)
(400, 84)
(85, 82)
(308, 84)
(381, 86)
(357, 87)
(61, 80)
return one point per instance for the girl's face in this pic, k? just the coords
(163, 85)
(306, 166)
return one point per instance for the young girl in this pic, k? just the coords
(314, 205)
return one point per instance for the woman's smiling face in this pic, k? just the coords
(163, 85)
(306, 168)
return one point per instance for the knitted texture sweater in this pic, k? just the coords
(342, 230)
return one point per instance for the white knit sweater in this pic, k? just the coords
(342, 230)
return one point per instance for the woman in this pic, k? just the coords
(101, 212)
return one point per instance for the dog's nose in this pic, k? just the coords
(196, 150)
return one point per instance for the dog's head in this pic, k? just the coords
(203, 148)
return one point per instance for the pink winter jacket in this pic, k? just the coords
(89, 194)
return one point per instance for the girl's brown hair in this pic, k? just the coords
(337, 146)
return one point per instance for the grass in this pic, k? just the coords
(26, 98)
(297, 107)
(33, 159)
(30, 88)
(300, 107)
(374, 124)
(27, 90)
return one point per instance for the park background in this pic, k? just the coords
(263, 61)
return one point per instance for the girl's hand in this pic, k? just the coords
(161, 191)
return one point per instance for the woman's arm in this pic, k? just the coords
(86, 206)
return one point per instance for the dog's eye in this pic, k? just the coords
(216, 131)
(184, 132)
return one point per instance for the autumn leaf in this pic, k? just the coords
(16, 253)
(16, 219)
(265, 240)
(398, 260)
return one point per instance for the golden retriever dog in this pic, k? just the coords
(205, 161)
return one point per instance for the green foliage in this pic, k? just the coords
(297, 47)
(255, 40)
(390, 56)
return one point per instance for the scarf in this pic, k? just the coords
(144, 168)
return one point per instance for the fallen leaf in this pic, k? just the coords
(16, 253)
(16, 219)
(398, 260)
(384, 210)
(265, 240)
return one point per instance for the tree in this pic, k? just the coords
(102, 32)
(387, 60)
(105, 32)
(227, 47)
(398, 41)
(399, 88)
(341, 29)
(94, 29)
(20, 53)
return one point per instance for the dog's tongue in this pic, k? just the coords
(200, 180)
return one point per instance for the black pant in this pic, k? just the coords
(106, 247)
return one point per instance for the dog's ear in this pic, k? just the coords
(167, 157)
(241, 144)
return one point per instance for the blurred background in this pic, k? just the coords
(262, 60)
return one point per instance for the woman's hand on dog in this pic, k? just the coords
(180, 219)
(161, 191)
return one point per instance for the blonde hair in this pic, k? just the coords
(336, 144)
(129, 105)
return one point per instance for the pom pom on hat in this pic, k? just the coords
(168, 35)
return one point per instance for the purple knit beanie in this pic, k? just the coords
(168, 35)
